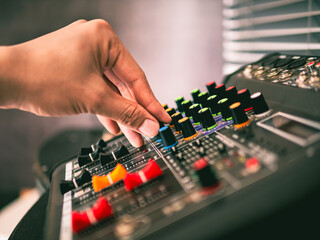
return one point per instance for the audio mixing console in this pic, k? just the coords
(232, 153)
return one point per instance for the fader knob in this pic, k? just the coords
(240, 118)
(211, 87)
(195, 108)
(76, 182)
(203, 98)
(207, 119)
(101, 210)
(170, 111)
(121, 152)
(175, 121)
(85, 159)
(225, 110)
(188, 130)
(86, 150)
(106, 158)
(179, 101)
(231, 94)
(220, 90)
(186, 105)
(101, 143)
(168, 138)
(206, 174)
(244, 99)
(212, 103)
(259, 103)
(194, 94)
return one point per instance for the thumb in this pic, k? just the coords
(131, 115)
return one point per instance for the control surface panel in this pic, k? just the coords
(217, 166)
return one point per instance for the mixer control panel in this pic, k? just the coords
(220, 142)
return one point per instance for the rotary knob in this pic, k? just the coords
(231, 94)
(225, 110)
(195, 108)
(207, 119)
(188, 130)
(165, 106)
(170, 111)
(175, 121)
(240, 118)
(211, 87)
(195, 93)
(186, 105)
(203, 99)
(220, 90)
(206, 174)
(168, 138)
(259, 104)
(179, 101)
(212, 103)
(244, 99)
(158, 137)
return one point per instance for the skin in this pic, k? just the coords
(81, 68)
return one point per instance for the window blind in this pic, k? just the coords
(253, 28)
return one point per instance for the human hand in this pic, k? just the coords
(81, 68)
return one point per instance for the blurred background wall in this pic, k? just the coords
(177, 43)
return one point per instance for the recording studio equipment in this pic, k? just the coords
(231, 155)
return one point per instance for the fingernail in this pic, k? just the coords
(149, 128)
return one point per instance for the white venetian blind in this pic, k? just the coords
(253, 28)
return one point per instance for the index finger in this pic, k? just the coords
(128, 71)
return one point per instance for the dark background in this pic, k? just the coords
(177, 43)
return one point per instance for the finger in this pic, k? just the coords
(134, 138)
(109, 124)
(123, 68)
(107, 103)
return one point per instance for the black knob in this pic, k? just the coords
(186, 105)
(212, 103)
(101, 143)
(85, 159)
(225, 110)
(168, 138)
(207, 119)
(195, 93)
(244, 99)
(121, 152)
(158, 138)
(205, 173)
(188, 130)
(66, 186)
(86, 150)
(231, 94)
(240, 118)
(195, 108)
(211, 87)
(220, 90)
(179, 101)
(259, 104)
(203, 99)
(170, 111)
(106, 158)
(165, 106)
(175, 121)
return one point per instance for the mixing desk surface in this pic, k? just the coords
(231, 155)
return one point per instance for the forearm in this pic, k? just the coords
(11, 72)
